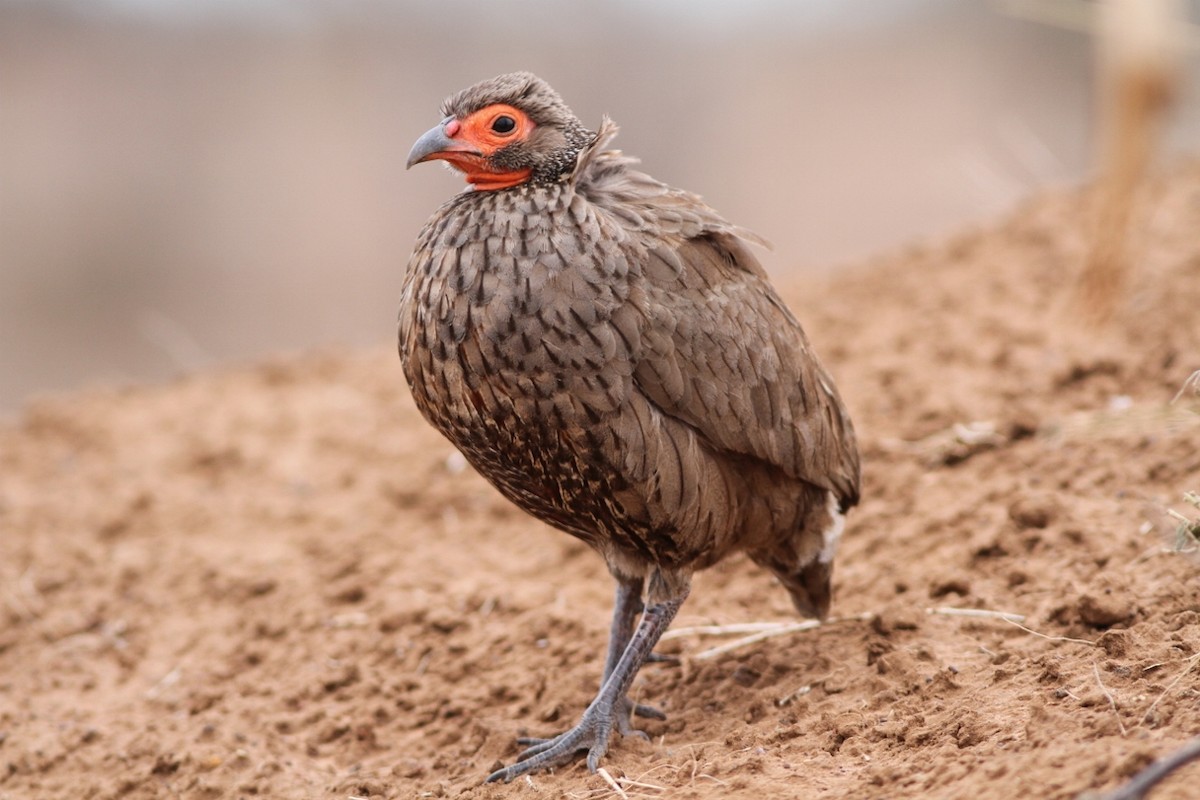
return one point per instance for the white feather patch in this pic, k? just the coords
(833, 533)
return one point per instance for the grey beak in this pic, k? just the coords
(433, 142)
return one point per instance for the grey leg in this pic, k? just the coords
(626, 608)
(602, 715)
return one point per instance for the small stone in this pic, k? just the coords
(969, 731)
(165, 764)
(261, 586)
(899, 619)
(350, 594)
(1033, 511)
(900, 665)
(745, 676)
(1115, 643)
(835, 684)
(1103, 610)
(957, 585)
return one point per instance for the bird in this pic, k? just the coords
(608, 352)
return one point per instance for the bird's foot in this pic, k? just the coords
(591, 734)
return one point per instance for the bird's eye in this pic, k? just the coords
(504, 125)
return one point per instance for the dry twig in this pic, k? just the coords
(1012, 619)
(952, 445)
(1152, 775)
(762, 631)
(1191, 664)
(1112, 701)
(984, 613)
(1088, 642)
(1192, 383)
(1187, 535)
(629, 782)
(725, 630)
(603, 773)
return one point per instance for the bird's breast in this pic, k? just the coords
(511, 324)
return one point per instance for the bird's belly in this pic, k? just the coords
(515, 419)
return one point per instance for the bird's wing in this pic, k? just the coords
(718, 350)
(721, 353)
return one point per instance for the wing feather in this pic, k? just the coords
(717, 349)
(768, 396)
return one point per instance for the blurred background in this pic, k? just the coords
(192, 182)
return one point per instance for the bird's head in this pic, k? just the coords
(506, 131)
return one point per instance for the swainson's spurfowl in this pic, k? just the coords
(608, 353)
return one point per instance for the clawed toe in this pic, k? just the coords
(664, 658)
(534, 747)
(627, 710)
(591, 734)
(532, 741)
(648, 712)
(625, 729)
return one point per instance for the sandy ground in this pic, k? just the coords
(277, 581)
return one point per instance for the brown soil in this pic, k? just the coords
(278, 581)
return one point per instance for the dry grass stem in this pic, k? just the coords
(1122, 422)
(1012, 619)
(788, 698)
(975, 612)
(630, 783)
(1048, 638)
(775, 630)
(1187, 534)
(166, 681)
(952, 445)
(1192, 384)
(603, 773)
(1112, 701)
(725, 630)
(1191, 664)
(713, 652)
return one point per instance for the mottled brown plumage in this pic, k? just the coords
(608, 352)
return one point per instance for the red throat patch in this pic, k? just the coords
(481, 175)
(490, 181)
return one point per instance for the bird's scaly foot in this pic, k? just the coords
(591, 734)
(622, 721)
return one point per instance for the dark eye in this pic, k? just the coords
(504, 124)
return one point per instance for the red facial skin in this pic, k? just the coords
(477, 140)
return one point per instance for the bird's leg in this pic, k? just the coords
(611, 704)
(626, 608)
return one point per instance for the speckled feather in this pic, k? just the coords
(608, 352)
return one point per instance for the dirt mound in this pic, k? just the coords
(278, 581)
